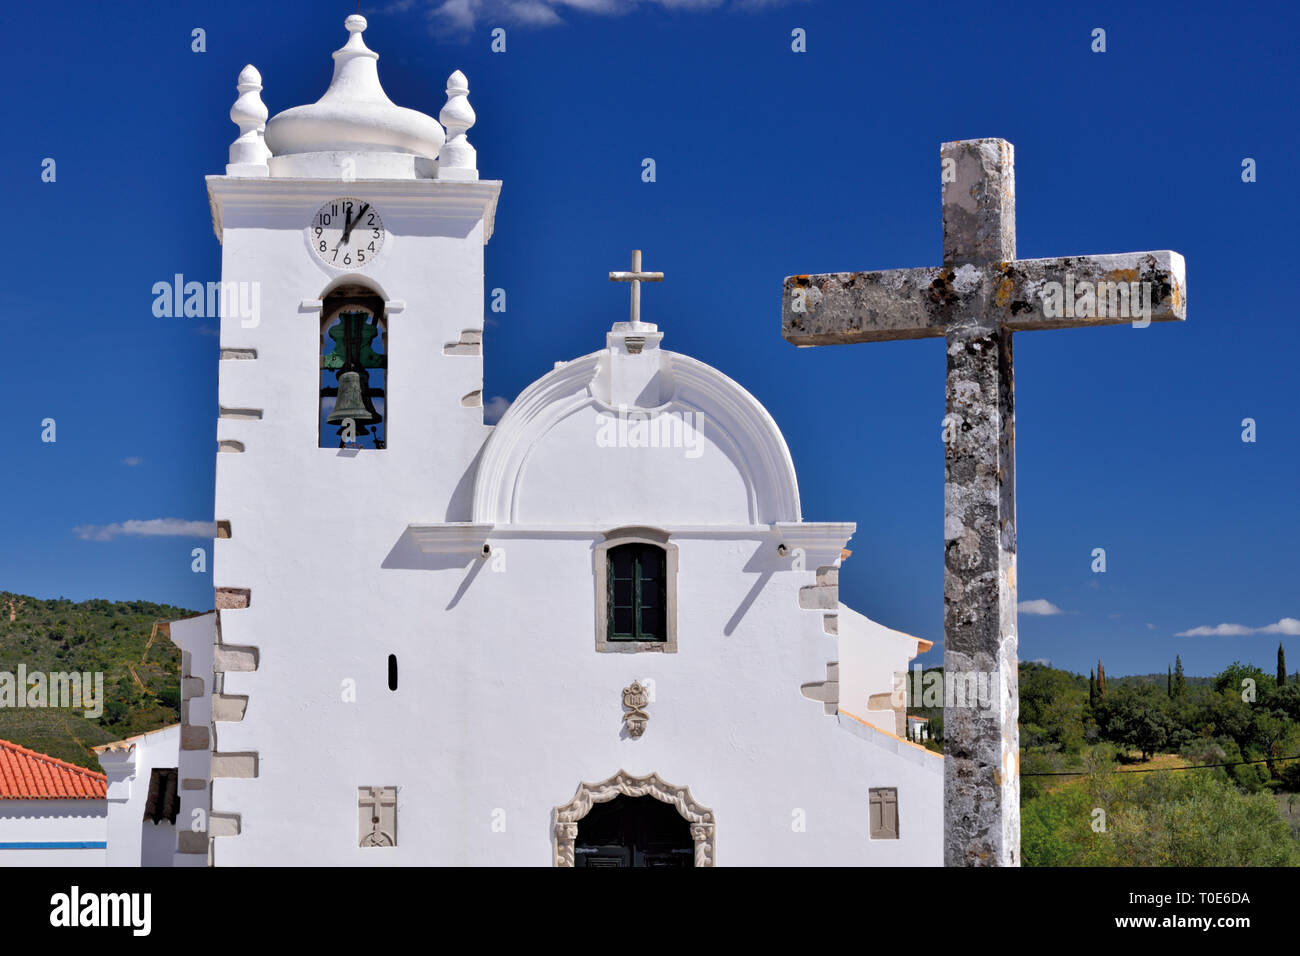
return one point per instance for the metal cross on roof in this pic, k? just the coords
(636, 277)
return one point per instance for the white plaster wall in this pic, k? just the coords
(697, 485)
(53, 821)
(129, 837)
(503, 702)
(870, 657)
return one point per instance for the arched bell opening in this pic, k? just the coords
(353, 368)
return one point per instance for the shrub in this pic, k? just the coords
(1188, 818)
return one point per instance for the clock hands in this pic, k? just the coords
(355, 211)
(352, 223)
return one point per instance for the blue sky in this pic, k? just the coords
(768, 163)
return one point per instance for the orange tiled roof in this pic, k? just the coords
(28, 775)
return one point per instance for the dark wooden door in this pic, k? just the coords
(634, 832)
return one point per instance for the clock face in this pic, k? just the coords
(346, 233)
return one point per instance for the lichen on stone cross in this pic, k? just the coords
(976, 300)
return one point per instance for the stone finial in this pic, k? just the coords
(457, 159)
(248, 153)
(356, 45)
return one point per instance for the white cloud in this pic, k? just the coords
(1287, 625)
(150, 528)
(461, 16)
(534, 13)
(1038, 607)
(496, 407)
(132, 461)
(1041, 660)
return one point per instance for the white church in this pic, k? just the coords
(597, 633)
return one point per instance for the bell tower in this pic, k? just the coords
(350, 404)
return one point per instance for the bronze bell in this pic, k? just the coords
(350, 402)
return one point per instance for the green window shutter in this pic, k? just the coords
(636, 593)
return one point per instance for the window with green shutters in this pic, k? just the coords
(635, 580)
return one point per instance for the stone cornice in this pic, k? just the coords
(402, 200)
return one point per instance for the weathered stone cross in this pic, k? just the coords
(636, 277)
(981, 295)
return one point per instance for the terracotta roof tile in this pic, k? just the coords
(28, 775)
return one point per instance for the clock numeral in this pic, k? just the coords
(347, 260)
(318, 232)
(324, 219)
(322, 245)
(361, 256)
(371, 247)
(371, 220)
(376, 234)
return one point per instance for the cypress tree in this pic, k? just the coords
(1092, 689)
(1281, 665)
(1169, 682)
(1180, 682)
(1101, 679)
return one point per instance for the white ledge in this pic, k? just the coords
(821, 541)
(459, 537)
(402, 199)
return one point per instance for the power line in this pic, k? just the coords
(1203, 766)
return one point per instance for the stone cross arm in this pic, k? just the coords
(841, 308)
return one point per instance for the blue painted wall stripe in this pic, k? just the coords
(54, 846)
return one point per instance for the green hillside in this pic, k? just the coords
(141, 679)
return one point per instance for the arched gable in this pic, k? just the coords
(548, 426)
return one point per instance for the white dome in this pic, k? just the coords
(355, 114)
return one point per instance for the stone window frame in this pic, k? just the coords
(600, 565)
(699, 817)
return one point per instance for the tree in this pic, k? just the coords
(1281, 665)
(1092, 690)
(1051, 708)
(1234, 677)
(1138, 717)
(1169, 682)
(1101, 680)
(1180, 682)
